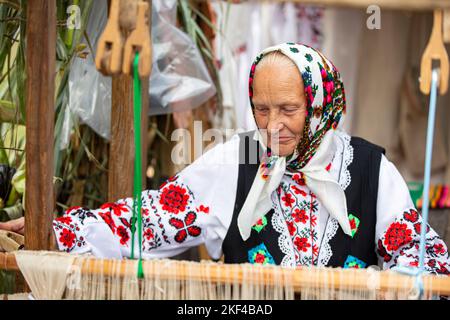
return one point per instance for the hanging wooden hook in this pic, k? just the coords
(108, 58)
(435, 50)
(139, 41)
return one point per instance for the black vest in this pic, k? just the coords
(361, 197)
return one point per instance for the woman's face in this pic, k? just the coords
(280, 106)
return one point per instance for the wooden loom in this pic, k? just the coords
(40, 201)
(306, 281)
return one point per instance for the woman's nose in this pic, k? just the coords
(274, 125)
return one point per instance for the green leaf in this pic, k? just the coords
(18, 180)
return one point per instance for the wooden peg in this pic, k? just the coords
(110, 45)
(127, 17)
(435, 50)
(139, 41)
(446, 26)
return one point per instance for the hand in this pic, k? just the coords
(17, 225)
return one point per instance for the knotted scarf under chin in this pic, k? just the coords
(317, 179)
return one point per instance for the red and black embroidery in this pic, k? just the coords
(174, 199)
(128, 224)
(302, 244)
(299, 179)
(159, 211)
(116, 208)
(66, 231)
(299, 215)
(411, 216)
(123, 234)
(163, 230)
(418, 227)
(64, 219)
(106, 216)
(81, 213)
(158, 224)
(298, 191)
(382, 252)
(149, 234)
(203, 208)
(185, 227)
(300, 208)
(444, 268)
(151, 240)
(400, 245)
(291, 227)
(67, 238)
(397, 235)
(171, 179)
(288, 199)
(439, 249)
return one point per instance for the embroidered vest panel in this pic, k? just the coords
(263, 245)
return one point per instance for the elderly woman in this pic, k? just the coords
(296, 192)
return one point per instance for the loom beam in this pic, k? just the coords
(228, 273)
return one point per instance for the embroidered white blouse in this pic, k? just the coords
(196, 206)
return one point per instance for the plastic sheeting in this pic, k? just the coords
(179, 81)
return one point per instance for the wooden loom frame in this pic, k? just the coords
(225, 273)
(41, 43)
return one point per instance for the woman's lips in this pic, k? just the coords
(284, 139)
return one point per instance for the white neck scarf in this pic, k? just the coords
(316, 177)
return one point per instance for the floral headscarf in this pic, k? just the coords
(324, 92)
(325, 109)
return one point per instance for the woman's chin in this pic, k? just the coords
(283, 150)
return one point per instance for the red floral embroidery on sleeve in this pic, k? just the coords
(411, 216)
(64, 219)
(67, 238)
(106, 216)
(171, 179)
(382, 251)
(148, 234)
(123, 234)
(185, 227)
(402, 239)
(203, 208)
(174, 199)
(397, 235)
(66, 231)
(116, 208)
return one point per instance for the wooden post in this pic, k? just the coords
(121, 154)
(40, 106)
(121, 149)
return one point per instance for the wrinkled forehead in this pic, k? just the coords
(306, 59)
(277, 67)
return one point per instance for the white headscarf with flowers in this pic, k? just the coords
(326, 106)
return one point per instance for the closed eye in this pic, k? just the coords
(261, 109)
(289, 109)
